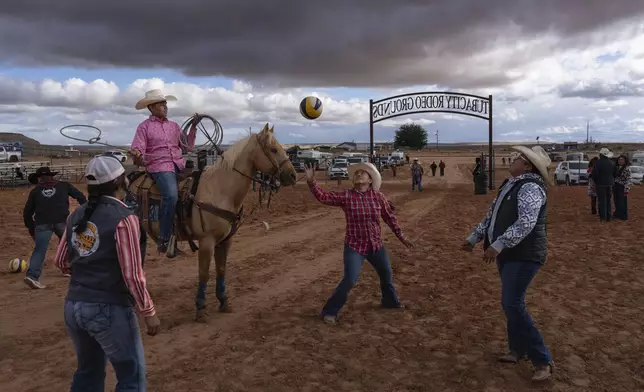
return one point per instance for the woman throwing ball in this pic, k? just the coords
(363, 206)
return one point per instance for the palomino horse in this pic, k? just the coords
(216, 209)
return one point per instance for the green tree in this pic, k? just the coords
(411, 135)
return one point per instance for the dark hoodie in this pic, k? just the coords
(48, 203)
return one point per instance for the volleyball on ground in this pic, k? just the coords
(311, 107)
(17, 265)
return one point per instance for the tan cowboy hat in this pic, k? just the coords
(606, 152)
(376, 179)
(539, 158)
(153, 96)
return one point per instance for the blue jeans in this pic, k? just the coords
(42, 235)
(352, 264)
(167, 184)
(101, 332)
(524, 337)
(417, 180)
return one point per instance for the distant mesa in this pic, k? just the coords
(6, 137)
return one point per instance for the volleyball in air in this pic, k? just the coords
(17, 265)
(311, 107)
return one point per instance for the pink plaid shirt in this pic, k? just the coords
(362, 212)
(158, 140)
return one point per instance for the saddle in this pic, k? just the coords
(148, 198)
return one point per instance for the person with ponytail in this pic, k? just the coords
(100, 249)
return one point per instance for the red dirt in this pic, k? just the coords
(586, 300)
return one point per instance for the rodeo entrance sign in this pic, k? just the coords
(434, 102)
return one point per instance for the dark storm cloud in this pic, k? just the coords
(324, 43)
(601, 90)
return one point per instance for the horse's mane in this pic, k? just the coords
(227, 160)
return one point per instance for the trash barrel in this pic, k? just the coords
(480, 184)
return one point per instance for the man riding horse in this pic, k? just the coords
(158, 145)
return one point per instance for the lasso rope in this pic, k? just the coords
(213, 140)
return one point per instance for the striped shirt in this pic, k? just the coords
(362, 212)
(129, 256)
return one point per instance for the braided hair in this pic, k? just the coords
(94, 193)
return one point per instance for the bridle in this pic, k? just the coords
(277, 166)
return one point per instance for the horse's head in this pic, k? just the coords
(270, 157)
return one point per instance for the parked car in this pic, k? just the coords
(384, 162)
(572, 172)
(116, 154)
(637, 174)
(339, 170)
(354, 160)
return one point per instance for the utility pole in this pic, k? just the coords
(587, 132)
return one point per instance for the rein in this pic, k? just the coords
(237, 221)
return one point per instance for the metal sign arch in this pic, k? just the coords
(434, 102)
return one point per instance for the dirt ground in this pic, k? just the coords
(587, 301)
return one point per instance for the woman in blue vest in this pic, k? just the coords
(514, 235)
(101, 249)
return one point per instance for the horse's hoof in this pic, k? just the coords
(202, 316)
(226, 307)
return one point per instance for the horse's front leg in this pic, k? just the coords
(221, 256)
(206, 251)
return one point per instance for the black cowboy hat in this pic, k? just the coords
(42, 171)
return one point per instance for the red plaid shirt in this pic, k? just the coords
(362, 212)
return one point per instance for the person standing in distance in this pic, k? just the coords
(158, 145)
(604, 178)
(45, 212)
(363, 207)
(101, 251)
(514, 235)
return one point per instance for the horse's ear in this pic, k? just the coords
(265, 129)
(271, 130)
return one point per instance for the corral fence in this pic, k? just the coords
(16, 174)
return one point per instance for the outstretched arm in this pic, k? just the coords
(479, 232)
(388, 214)
(336, 199)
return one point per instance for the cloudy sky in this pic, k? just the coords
(551, 65)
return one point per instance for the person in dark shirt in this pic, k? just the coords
(604, 178)
(45, 213)
(441, 166)
(433, 166)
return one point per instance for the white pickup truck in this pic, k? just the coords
(7, 154)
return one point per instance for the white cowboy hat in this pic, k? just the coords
(153, 96)
(606, 152)
(376, 179)
(539, 158)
